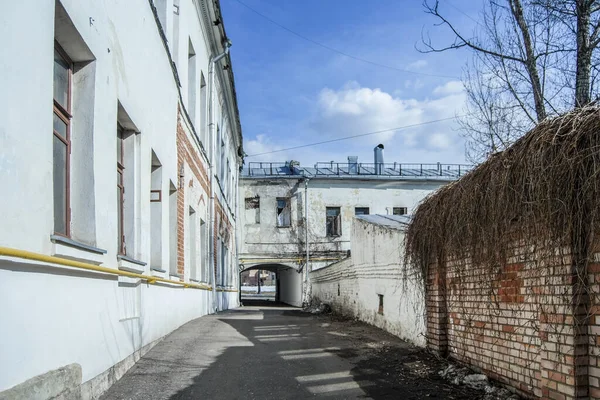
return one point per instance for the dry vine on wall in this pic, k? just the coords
(508, 233)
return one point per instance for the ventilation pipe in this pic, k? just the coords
(378, 159)
(353, 165)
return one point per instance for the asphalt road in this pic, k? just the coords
(256, 352)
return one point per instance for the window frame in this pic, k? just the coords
(362, 209)
(405, 209)
(288, 204)
(65, 116)
(121, 188)
(338, 232)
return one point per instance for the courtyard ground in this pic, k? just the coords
(267, 352)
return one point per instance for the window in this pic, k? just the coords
(222, 257)
(233, 187)
(380, 309)
(74, 85)
(252, 206)
(172, 229)
(175, 32)
(203, 110)
(284, 214)
(192, 244)
(128, 185)
(191, 104)
(361, 211)
(226, 182)
(333, 221)
(63, 68)
(204, 273)
(400, 211)
(156, 210)
(222, 162)
(120, 188)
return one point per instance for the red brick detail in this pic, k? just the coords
(437, 313)
(188, 154)
(533, 325)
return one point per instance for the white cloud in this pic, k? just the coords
(355, 110)
(417, 65)
(451, 87)
(439, 141)
(261, 144)
(413, 84)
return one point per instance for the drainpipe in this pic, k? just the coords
(237, 239)
(306, 299)
(212, 138)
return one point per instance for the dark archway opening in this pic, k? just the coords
(271, 284)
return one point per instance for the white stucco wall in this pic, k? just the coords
(51, 315)
(353, 286)
(290, 287)
(265, 239)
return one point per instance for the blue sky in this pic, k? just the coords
(292, 92)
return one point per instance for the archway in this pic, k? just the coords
(287, 283)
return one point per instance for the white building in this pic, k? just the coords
(121, 146)
(373, 285)
(273, 213)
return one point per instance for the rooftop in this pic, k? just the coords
(354, 170)
(389, 221)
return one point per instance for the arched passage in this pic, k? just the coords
(288, 282)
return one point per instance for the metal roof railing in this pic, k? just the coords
(438, 170)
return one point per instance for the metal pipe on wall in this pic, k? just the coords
(212, 139)
(306, 240)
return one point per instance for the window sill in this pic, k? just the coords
(284, 226)
(226, 289)
(130, 265)
(176, 277)
(64, 247)
(157, 271)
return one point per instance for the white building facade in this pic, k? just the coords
(276, 224)
(121, 146)
(372, 285)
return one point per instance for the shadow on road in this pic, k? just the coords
(296, 358)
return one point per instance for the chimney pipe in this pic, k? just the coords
(353, 165)
(378, 159)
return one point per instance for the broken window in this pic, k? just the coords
(252, 210)
(361, 211)
(333, 221)
(284, 213)
(400, 211)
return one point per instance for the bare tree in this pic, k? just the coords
(493, 120)
(532, 58)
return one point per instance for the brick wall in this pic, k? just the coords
(187, 154)
(527, 324)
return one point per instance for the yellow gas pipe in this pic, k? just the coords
(28, 255)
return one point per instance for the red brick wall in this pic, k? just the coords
(524, 324)
(594, 329)
(187, 154)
